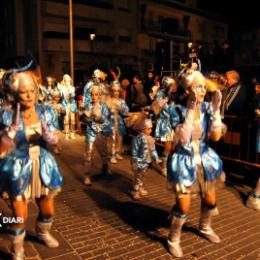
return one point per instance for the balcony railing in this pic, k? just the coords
(96, 3)
(157, 27)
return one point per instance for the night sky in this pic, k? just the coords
(240, 14)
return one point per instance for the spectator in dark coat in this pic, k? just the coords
(234, 99)
(148, 84)
(139, 98)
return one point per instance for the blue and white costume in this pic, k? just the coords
(163, 129)
(29, 170)
(143, 152)
(69, 103)
(184, 161)
(118, 108)
(86, 93)
(96, 132)
(68, 98)
(98, 124)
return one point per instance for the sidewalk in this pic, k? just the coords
(102, 222)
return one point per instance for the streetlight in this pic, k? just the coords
(71, 41)
(92, 37)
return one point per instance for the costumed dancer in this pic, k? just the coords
(6, 100)
(97, 131)
(68, 101)
(50, 87)
(253, 200)
(143, 152)
(193, 162)
(161, 107)
(60, 112)
(97, 79)
(27, 170)
(118, 108)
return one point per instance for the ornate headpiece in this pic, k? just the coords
(115, 86)
(167, 82)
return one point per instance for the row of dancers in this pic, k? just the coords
(185, 122)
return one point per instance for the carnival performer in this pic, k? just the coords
(193, 163)
(253, 200)
(161, 108)
(98, 78)
(50, 87)
(27, 170)
(60, 112)
(68, 101)
(42, 94)
(97, 131)
(143, 152)
(118, 108)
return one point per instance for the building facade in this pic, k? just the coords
(247, 48)
(167, 26)
(135, 35)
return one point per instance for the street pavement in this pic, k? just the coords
(103, 222)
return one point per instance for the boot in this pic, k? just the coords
(175, 235)
(43, 233)
(56, 150)
(106, 170)
(17, 250)
(205, 229)
(135, 192)
(119, 157)
(72, 135)
(136, 195)
(143, 191)
(113, 159)
(87, 181)
(67, 136)
(253, 201)
(164, 166)
(72, 132)
(88, 155)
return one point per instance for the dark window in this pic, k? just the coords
(124, 38)
(124, 5)
(170, 25)
(97, 3)
(55, 35)
(82, 33)
(104, 38)
(79, 34)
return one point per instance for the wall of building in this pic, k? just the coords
(187, 27)
(128, 32)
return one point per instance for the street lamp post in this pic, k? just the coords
(92, 37)
(71, 41)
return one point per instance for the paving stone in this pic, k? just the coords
(103, 222)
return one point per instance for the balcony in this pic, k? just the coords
(80, 11)
(86, 46)
(96, 3)
(163, 30)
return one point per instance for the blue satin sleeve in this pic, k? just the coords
(177, 115)
(5, 118)
(51, 118)
(86, 95)
(16, 168)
